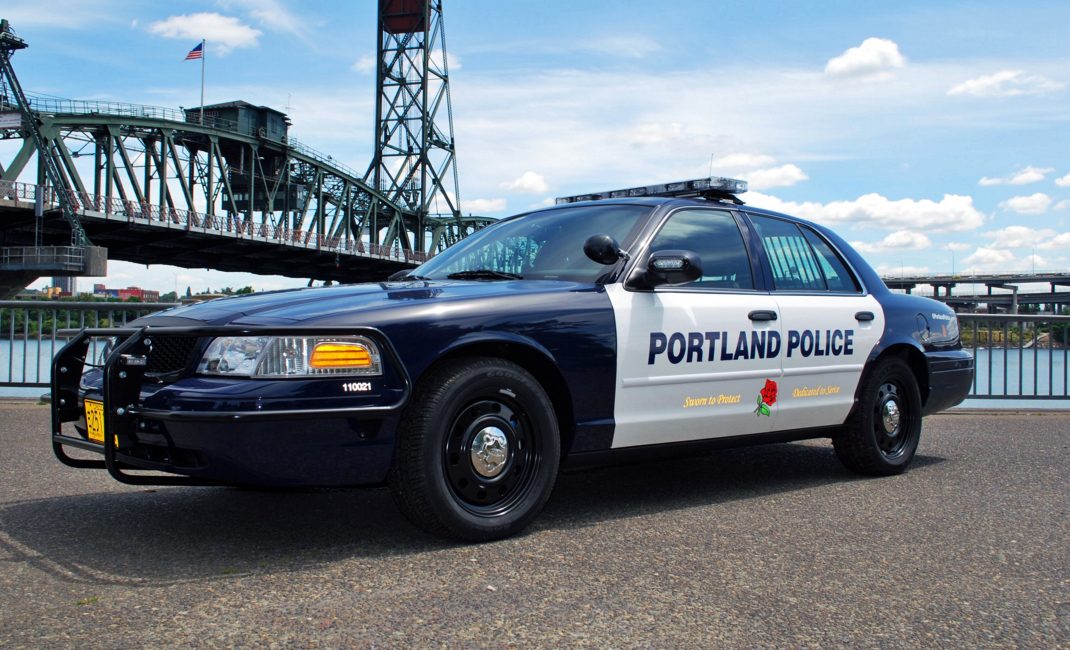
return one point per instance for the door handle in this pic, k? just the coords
(762, 314)
(864, 316)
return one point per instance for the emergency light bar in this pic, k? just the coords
(713, 187)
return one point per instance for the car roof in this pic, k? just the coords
(658, 201)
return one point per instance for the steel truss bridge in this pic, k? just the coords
(155, 188)
(213, 189)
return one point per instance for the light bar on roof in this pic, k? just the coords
(679, 189)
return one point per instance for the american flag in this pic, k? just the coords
(196, 52)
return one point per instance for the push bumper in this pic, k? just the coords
(301, 440)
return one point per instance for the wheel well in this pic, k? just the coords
(540, 367)
(916, 360)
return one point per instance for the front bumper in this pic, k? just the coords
(281, 432)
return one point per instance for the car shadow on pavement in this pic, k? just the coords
(167, 535)
(585, 498)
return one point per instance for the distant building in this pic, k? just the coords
(144, 295)
(67, 285)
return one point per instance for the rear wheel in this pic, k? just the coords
(882, 433)
(477, 450)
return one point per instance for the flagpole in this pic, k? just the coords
(202, 81)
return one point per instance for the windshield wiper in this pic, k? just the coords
(484, 274)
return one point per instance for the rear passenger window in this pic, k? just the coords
(715, 237)
(838, 278)
(795, 267)
(801, 259)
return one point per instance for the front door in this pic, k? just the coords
(700, 360)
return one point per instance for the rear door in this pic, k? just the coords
(701, 360)
(830, 325)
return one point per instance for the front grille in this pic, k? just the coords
(170, 354)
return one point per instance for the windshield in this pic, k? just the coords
(538, 246)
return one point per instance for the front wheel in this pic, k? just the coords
(477, 450)
(882, 433)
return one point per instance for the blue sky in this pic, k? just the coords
(919, 130)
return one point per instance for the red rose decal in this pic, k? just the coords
(767, 398)
(769, 392)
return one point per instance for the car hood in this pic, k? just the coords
(321, 304)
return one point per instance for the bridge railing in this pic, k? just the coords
(1018, 356)
(12, 191)
(237, 225)
(30, 333)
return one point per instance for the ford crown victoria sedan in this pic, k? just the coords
(624, 325)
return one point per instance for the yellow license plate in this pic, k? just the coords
(94, 420)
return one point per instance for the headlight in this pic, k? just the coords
(287, 356)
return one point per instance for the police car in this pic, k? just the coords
(621, 325)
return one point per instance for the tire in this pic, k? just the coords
(882, 433)
(476, 452)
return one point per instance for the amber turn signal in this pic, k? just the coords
(340, 355)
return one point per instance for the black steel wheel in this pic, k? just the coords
(477, 450)
(882, 433)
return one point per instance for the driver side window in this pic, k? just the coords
(715, 237)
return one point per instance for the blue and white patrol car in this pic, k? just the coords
(627, 324)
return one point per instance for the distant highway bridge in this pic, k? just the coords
(1008, 297)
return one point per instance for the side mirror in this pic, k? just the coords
(603, 249)
(670, 267)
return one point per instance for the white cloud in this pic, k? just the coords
(1006, 83)
(737, 160)
(364, 65)
(952, 214)
(1064, 181)
(1062, 205)
(988, 258)
(223, 33)
(1036, 204)
(270, 14)
(480, 207)
(886, 270)
(1026, 176)
(957, 246)
(783, 176)
(902, 240)
(1024, 237)
(1018, 237)
(872, 61)
(529, 183)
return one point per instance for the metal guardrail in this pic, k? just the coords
(1018, 356)
(30, 333)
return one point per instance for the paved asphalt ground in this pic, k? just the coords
(769, 547)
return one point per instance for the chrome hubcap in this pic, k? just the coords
(490, 451)
(890, 417)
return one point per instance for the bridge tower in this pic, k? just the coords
(415, 157)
